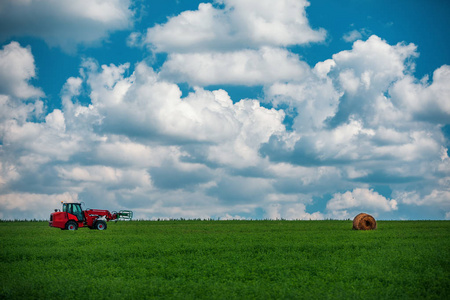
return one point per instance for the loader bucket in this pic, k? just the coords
(125, 214)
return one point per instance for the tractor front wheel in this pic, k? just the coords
(100, 225)
(71, 225)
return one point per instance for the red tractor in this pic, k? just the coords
(72, 216)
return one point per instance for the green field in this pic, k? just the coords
(226, 260)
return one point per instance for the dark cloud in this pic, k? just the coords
(64, 23)
(170, 177)
(240, 190)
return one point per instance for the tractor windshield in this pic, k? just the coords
(77, 212)
(74, 209)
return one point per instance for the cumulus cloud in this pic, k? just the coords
(342, 144)
(137, 138)
(47, 139)
(357, 200)
(233, 42)
(235, 24)
(14, 109)
(245, 67)
(436, 197)
(154, 108)
(64, 23)
(424, 100)
(17, 68)
(364, 113)
(112, 178)
(314, 99)
(367, 71)
(343, 108)
(351, 86)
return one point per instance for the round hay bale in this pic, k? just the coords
(364, 222)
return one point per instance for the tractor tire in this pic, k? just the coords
(100, 225)
(71, 225)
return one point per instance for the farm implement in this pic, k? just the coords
(72, 216)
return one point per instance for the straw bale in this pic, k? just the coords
(364, 222)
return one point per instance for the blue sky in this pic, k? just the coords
(226, 109)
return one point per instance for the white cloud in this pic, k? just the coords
(72, 87)
(245, 67)
(191, 29)
(343, 112)
(64, 23)
(55, 120)
(11, 109)
(153, 108)
(419, 147)
(47, 139)
(106, 176)
(291, 211)
(236, 44)
(30, 206)
(349, 82)
(425, 101)
(227, 217)
(8, 172)
(348, 142)
(375, 63)
(360, 199)
(437, 197)
(136, 139)
(16, 69)
(352, 36)
(240, 24)
(257, 124)
(127, 153)
(233, 42)
(315, 100)
(351, 85)
(322, 68)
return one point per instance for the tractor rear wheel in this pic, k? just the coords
(100, 225)
(71, 225)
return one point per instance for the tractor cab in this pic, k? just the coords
(74, 209)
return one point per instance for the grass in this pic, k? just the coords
(226, 260)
